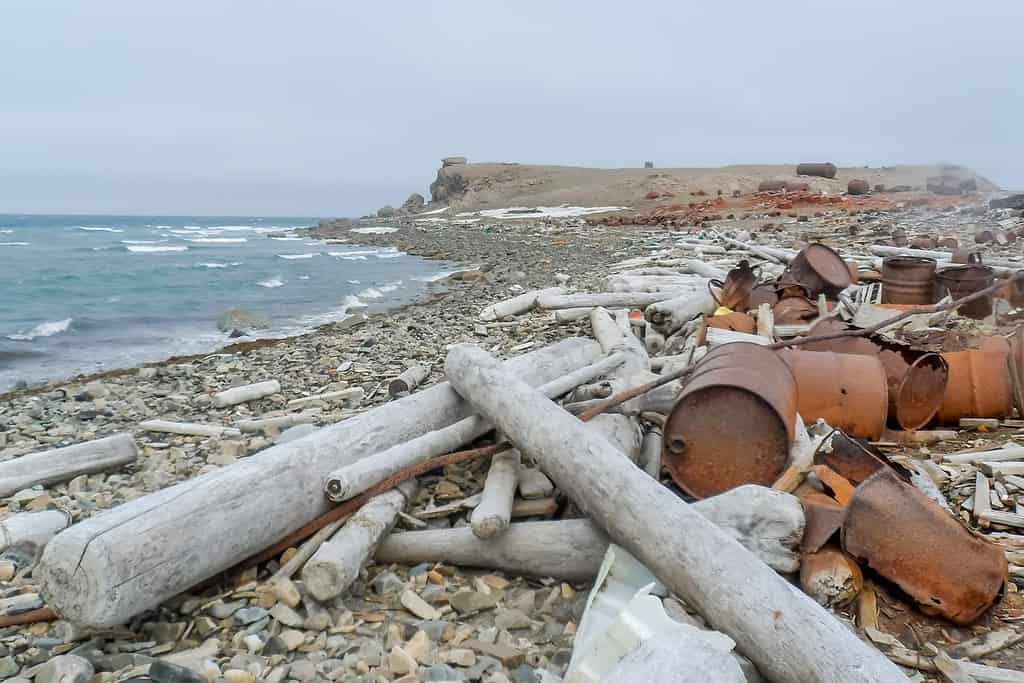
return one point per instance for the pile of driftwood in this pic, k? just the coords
(598, 422)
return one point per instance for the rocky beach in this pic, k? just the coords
(431, 621)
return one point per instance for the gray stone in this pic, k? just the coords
(387, 582)
(525, 674)
(441, 674)
(223, 610)
(511, 619)
(286, 615)
(243, 321)
(302, 670)
(164, 672)
(472, 601)
(8, 667)
(249, 615)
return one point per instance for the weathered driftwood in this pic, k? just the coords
(518, 304)
(606, 299)
(352, 395)
(570, 315)
(31, 531)
(305, 551)
(705, 270)
(787, 635)
(410, 378)
(106, 569)
(651, 283)
(63, 464)
(671, 314)
(336, 564)
(622, 431)
(766, 321)
(493, 514)
(249, 392)
(768, 523)
(187, 428)
(674, 657)
(354, 478)
(274, 423)
(1008, 452)
(654, 341)
(534, 484)
(717, 336)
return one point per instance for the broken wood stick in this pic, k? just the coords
(1007, 452)
(493, 514)
(782, 630)
(569, 315)
(650, 453)
(63, 464)
(243, 394)
(270, 423)
(410, 378)
(306, 550)
(352, 395)
(32, 530)
(106, 569)
(187, 428)
(353, 479)
(518, 304)
(670, 315)
(605, 299)
(338, 561)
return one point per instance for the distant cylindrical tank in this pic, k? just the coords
(857, 186)
(822, 170)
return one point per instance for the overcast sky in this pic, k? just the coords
(320, 108)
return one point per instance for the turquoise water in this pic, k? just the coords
(82, 294)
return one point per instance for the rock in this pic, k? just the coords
(440, 674)
(238, 676)
(511, 619)
(285, 614)
(8, 667)
(387, 582)
(65, 669)
(250, 615)
(1014, 201)
(165, 672)
(243, 321)
(472, 601)
(461, 657)
(292, 638)
(509, 656)
(414, 204)
(401, 662)
(302, 670)
(418, 606)
(97, 389)
(385, 212)
(419, 647)
(525, 674)
(453, 161)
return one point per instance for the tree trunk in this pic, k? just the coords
(337, 563)
(104, 570)
(249, 392)
(493, 514)
(517, 304)
(788, 635)
(670, 315)
(63, 464)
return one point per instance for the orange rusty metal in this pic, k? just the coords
(853, 459)
(823, 517)
(908, 280)
(840, 486)
(794, 310)
(820, 270)
(736, 321)
(960, 281)
(910, 540)
(848, 391)
(733, 422)
(979, 385)
(735, 291)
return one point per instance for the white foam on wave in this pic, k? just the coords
(435, 211)
(374, 230)
(214, 264)
(293, 238)
(391, 286)
(352, 302)
(143, 241)
(90, 229)
(291, 257)
(14, 244)
(47, 329)
(354, 282)
(6, 232)
(350, 257)
(217, 240)
(147, 249)
(272, 283)
(436, 276)
(303, 277)
(390, 254)
(370, 293)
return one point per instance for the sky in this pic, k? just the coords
(327, 108)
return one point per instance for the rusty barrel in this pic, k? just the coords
(848, 391)
(908, 280)
(771, 186)
(821, 270)
(857, 186)
(822, 170)
(960, 281)
(733, 422)
(979, 385)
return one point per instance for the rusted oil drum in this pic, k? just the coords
(848, 391)
(979, 386)
(736, 321)
(908, 280)
(857, 186)
(820, 270)
(771, 186)
(960, 281)
(793, 186)
(825, 170)
(733, 422)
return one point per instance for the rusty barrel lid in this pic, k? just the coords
(823, 262)
(733, 422)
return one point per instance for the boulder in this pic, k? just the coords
(385, 212)
(414, 204)
(240, 322)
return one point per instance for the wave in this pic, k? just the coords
(352, 301)
(390, 254)
(214, 264)
(217, 240)
(370, 293)
(143, 241)
(143, 249)
(354, 282)
(14, 244)
(298, 256)
(391, 286)
(272, 283)
(47, 329)
(287, 239)
(89, 229)
(303, 277)
(357, 257)
(6, 232)
(436, 276)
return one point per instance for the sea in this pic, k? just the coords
(86, 294)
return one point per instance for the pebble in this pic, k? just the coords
(419, 647)
(401, 662)
(223, 610)
(287, 593)
(302, 670)
(238, 676)
(472, 601)
(461, 657)
(418, 606)
(8, 667)
(286, 615)
(292, 638)
(165, 672)
(249, 615)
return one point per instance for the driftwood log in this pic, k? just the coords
(187, 428)
(785, 633)
(768, 523)
(249, 392)
(63, 464)
(274, 423)
(29, 532)
(407, 382)
(518, 304)
(110, 567)
(605, 299)
(493, 514)
(669, 315)
(336, 564)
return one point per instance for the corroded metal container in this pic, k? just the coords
(979, 385)
(908, 280)
(771, 186)
(904, 536)
(960, 281)
(857, 186)
(848, 391)
(821, 170)
(820, 270)
(733, 422)
(794, 310)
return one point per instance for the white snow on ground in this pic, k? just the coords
(541, 211)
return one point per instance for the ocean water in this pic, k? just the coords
(82, 294)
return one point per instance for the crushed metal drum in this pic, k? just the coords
(734, 293)
(820, 270)
(908, 539)
(735, 321)
(960, 281)
(908, 280)
(979, 385)
(733, 422)
(851, 458)
(850, 392)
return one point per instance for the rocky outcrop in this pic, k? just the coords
(453, 161)
(386, 212)
(414, 204)
(449, 185)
